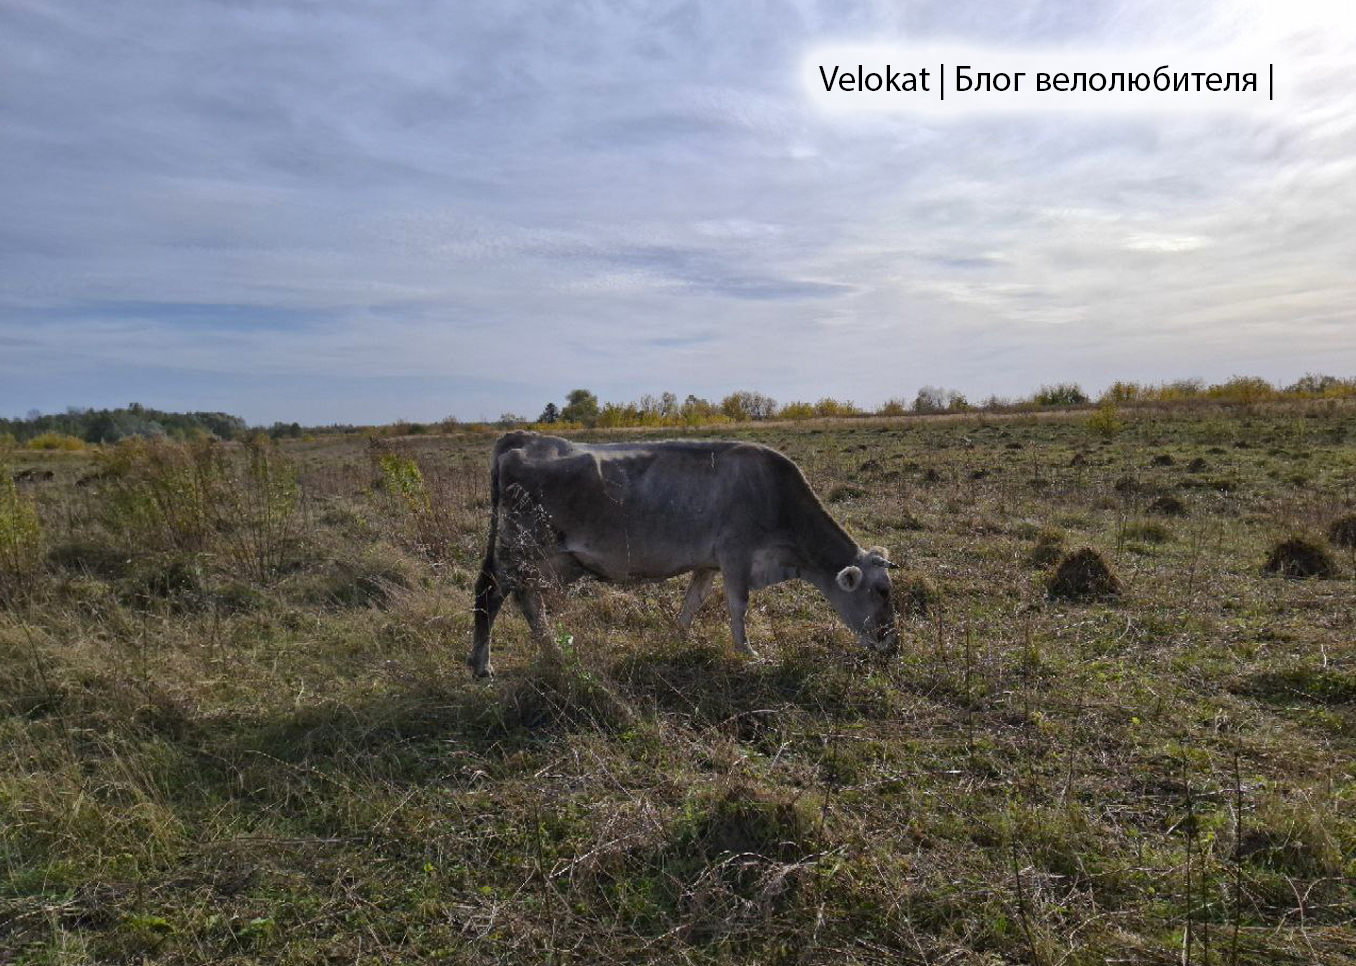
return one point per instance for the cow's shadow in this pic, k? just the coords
(711, 685)
(440, 730)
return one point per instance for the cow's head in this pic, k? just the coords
(861, 595)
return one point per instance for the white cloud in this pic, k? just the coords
(213, 200)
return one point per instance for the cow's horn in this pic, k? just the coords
(881, 555)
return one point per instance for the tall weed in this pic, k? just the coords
(257, 511)
(20, 541)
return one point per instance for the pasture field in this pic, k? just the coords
(236, 726)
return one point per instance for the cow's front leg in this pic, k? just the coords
(737, 598)
(697, 592)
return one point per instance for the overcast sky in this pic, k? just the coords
(344, 212)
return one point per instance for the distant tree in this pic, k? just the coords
(581, 406)
(1060, 394)
(1243, 389)
(1122, 392)
(930, 399)
(550, 414)
(1313, 384)
(796, 410)
(510, 420)
(933, 399)
(748, 405)
(695, 409)
(829, 406)
(668, 405)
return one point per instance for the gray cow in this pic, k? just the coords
(647, 511)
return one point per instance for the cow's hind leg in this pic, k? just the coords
(489, 598)
(530, 601)
(697, 592)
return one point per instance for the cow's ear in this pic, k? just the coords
(850, 577)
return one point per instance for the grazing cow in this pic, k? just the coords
(647, 511)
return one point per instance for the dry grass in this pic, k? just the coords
(203, 764)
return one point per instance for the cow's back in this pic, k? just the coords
(642, 510)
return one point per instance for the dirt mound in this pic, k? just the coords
(1300, 558)
(1047, 549)
(914, 594)
(1342, 531)
(1083, 575)
(1168, 505)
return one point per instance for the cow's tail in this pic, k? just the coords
(489, 570)
(494, 512)
(489, 592)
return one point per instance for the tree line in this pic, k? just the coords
(582, 409)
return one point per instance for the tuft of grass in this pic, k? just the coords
(369, 578)
(745, 819)
(1148, 531)
(844, 492)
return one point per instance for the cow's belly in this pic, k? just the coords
(623, 561)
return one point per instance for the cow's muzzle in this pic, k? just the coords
(885, 642)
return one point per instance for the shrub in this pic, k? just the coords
(56, 441)
(427, 514)
(402, 478)
(1106, 421)
(1299, 558)
(1083, 575)
(20, 540)
(160, 495)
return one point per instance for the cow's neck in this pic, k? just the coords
(823, 547)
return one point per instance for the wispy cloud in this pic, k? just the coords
(343, 212)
